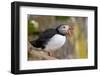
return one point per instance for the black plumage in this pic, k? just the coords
(43, 38)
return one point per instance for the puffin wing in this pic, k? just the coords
(44, 38)
(46, 35)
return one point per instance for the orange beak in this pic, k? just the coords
(70, 31)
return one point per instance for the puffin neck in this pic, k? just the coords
(59, 33)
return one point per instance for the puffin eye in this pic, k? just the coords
(63, 26)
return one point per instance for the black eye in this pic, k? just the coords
(63, 26)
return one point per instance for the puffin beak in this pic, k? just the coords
(70, 31)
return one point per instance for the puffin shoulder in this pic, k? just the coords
(48, 34)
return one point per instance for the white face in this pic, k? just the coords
(63, 29)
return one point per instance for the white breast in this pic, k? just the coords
(56, 42)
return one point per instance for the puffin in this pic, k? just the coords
(53, 38)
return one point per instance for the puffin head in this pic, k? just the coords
(65, 29)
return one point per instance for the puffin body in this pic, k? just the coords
(51, 39)
(56, 42)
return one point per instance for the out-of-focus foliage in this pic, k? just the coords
(33, 27)
(80, 43)
(62, 17)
